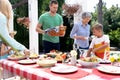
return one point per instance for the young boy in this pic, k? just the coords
(4, 52)
(100, 45)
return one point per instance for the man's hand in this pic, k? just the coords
(81, 37)
(62, 31)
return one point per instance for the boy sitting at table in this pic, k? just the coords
(100, 45)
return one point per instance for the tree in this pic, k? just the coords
(20, 3)
(100, 13)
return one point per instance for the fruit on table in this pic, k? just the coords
(59, 58)
(90, 59)
(112, 59)
(115, 58)
(64, 55)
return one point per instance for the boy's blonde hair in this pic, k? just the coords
(98, 26)
(6, 9)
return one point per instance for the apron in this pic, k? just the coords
(103, 52)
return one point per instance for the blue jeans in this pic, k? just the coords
(48, 46)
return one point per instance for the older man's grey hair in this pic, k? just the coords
(86, 15)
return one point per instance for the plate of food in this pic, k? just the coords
(16, 56)
(27, 61)
(109, 69)
(33, 56)
(64, 69)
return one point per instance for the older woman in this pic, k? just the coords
(5, 16)
(81, 31)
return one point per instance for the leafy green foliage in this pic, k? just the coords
(115, 35)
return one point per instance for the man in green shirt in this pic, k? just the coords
(48, 20)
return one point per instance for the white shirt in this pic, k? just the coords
(96, 40)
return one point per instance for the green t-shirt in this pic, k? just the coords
(49, 21)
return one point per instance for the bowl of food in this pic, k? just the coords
(88, 62)
(46, 62)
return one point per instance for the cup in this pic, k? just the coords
(73, 60)
(106, 55)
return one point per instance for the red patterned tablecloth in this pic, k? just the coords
(34, 72)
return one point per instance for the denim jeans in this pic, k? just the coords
(48, 46)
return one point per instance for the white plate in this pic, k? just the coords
(27, 61)
(16, 58)
(64, 69)
(109, 69)
(104, 61)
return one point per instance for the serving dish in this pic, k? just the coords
(46, 62)
(88, 62)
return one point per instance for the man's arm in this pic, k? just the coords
(38, 29)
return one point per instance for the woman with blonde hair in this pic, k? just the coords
(6, 13)
(6, 9)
